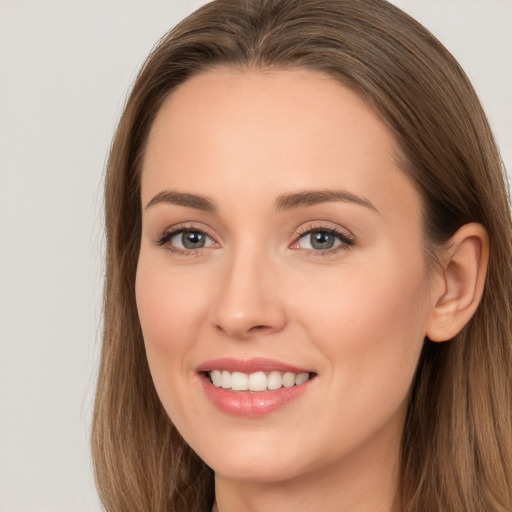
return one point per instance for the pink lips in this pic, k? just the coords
(246, 403)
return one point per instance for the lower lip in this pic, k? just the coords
(250, 404)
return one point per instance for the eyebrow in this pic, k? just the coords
(282, 203)
(312, 197)
(183, 199)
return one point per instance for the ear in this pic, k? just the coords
(461, 282)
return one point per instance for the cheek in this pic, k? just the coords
(365, 298)
(169, 306)
(169, 309)
(370, 329)
(370, 323)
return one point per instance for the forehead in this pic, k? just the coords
(275, 130)
(274, 109)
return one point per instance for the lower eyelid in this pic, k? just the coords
(313, 253)
(190, 253)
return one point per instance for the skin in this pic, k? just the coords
(356, 315)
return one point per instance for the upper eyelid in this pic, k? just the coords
(327, 226)
(178, 228)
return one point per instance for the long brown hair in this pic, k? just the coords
(457, 443)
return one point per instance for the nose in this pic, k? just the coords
(248, 301)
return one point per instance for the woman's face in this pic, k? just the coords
(281, 257)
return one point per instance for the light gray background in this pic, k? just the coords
(65, 69)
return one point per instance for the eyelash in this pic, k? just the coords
(347, 241)
(168, 235)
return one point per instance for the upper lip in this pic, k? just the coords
(252, 365)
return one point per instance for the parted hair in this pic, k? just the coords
(456, 453)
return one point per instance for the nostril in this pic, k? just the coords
(258, 327)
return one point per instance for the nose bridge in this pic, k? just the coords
(248, 300)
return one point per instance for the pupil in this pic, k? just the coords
(322, 240)
(193, 239)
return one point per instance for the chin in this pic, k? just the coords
(257, 461)
(264, 471)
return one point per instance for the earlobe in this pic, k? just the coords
(464, 267)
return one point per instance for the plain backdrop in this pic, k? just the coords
(65, 69)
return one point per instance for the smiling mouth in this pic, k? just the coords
(257, 382)
(254, 387)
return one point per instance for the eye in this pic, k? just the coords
(185, 240)
(191, 239)
(319, 240)
(323, 240)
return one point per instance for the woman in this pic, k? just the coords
(307, 303)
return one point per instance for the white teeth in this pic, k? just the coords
(301, 378)
(274, 380)
(226, 380)
(216, 377)
(289, 379)
(239, 381)
(258, 381)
